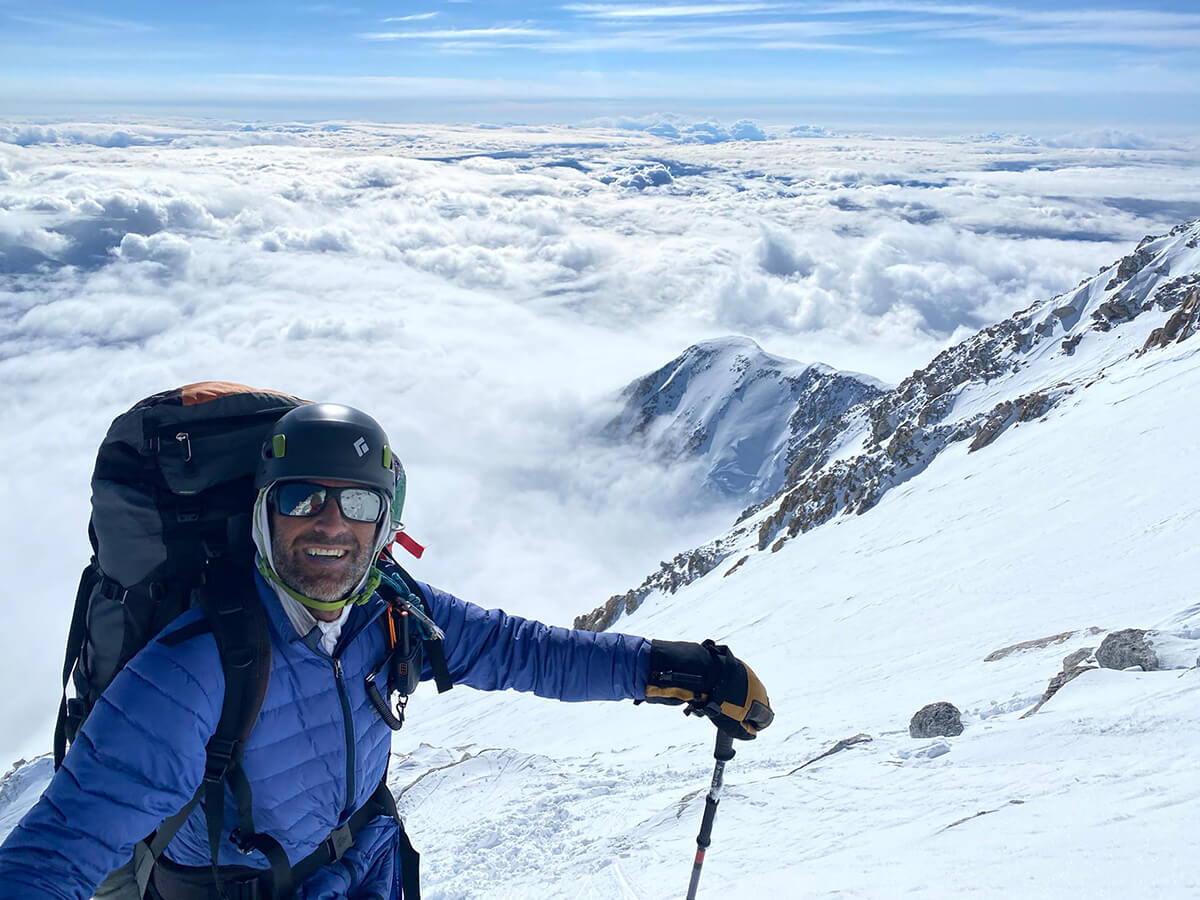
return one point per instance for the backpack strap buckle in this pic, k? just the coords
(244, 844)
(339, 841)
(111, 589)
(221, 754)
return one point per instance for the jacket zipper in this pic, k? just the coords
(347, 715)
(348, 719)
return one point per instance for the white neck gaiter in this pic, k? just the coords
(298, 614)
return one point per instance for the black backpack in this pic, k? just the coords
(172, 490)
(172, 494)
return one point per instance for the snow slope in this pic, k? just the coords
(1078, 523)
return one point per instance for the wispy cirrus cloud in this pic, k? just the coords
(415, 17)
(629, 11)
(331, 9)
(458, 34)
(1008, 25)
(879, 27)
(81, 24)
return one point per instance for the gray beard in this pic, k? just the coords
(305, 577)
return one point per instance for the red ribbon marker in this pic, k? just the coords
(409, 544)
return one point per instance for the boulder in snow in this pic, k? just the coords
(939, 719)
(1127, 648)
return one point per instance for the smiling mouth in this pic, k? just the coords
(322, 553)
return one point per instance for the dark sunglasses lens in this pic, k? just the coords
(299, 498)
(360, 505)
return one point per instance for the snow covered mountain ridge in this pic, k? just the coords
(720, 401)
(1010, 373)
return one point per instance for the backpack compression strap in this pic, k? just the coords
(75, 639)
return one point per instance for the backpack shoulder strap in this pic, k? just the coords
(235, 615)
(239, 623)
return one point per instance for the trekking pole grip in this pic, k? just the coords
(724, 749)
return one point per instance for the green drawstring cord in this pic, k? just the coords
(360, 597)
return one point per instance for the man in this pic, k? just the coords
(328, 501)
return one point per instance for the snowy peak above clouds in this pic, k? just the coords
(1013, 372)
(738, 408)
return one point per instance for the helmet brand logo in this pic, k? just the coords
(361, 446)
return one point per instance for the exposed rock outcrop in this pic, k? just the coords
(670, 577)
(1181, 325)
(1072, 667)
(1037, 643)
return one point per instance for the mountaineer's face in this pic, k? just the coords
(322, 556)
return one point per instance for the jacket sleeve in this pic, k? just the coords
(492, 651)
(138, 759)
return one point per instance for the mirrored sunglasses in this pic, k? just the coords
(304, 499)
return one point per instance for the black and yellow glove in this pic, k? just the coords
(712, 682)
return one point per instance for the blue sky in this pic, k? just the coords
(1045, 65)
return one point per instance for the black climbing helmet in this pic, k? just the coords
(328, 440)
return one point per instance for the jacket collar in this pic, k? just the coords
(361, 616)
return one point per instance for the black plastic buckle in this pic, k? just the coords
(340, 840)
(244, 845)
(111, 589)
(220, 757)
(187, 512)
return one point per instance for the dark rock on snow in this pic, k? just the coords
(939, 719)
(1123, 649)
(1071, 660)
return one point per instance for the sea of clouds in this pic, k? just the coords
(485, 292)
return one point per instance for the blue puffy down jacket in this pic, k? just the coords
(317, 753)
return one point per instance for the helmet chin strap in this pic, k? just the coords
(266, 563)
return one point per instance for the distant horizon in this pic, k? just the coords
(843, 63)
(775, 126)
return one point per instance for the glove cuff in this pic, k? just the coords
(680, 672)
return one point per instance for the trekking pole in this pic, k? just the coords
(722, 753)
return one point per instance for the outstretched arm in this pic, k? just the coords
(491, 650)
